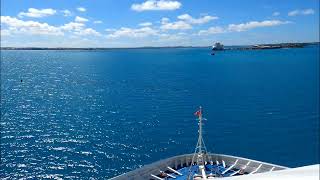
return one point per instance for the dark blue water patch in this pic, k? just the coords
(81, 114)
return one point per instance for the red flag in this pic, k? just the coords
(198, 113)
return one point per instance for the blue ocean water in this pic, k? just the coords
(97, 114)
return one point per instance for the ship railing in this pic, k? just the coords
(229, 168)
(186, 160)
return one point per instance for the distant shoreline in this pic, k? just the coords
(231, 47)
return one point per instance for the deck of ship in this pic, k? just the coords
(218, 165)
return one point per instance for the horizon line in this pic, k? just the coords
(141, 47)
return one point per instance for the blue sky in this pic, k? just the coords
(136, 23)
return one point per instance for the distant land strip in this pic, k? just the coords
(242, 47)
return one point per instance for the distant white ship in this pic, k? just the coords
(202, 165)
(217, 47)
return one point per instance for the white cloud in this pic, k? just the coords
(73, 26)
(81, 9)
(87, 31)
(178, 25)
(80, 19)
(255, 24)
(97, 22)
(308, 11)
(66, 12)
(184, 22)
(275, 14)
(16, 26)
(212, 30)
(37, 13)
(241, 27)
(201, 20)
(79, 29)
(301, 12)
(164, 20)
(29, 27)
(294, 13)
(150, 5)
(130, 32)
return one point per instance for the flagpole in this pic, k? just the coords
(200, 130)
(198, 153)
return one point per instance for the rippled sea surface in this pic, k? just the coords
(97, 114)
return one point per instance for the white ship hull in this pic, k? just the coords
(178, 162)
